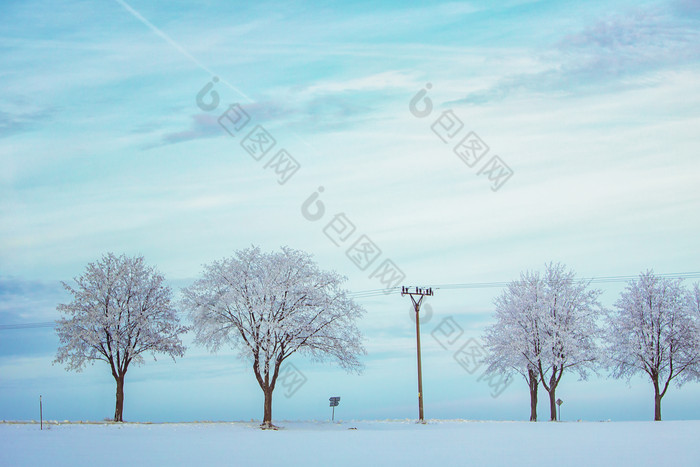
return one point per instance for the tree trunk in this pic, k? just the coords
(553, 404)
(267, 415)
(119, 409)
(534, 386)
(657, 400)
(551, 388)
(657, 408)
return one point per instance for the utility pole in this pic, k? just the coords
(421, 293)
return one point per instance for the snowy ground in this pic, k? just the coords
(372, 443)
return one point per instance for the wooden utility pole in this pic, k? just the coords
(421, 293)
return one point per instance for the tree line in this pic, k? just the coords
(269, 306)
(551, 323)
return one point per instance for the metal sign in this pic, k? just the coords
(559, 402)
(334, 403)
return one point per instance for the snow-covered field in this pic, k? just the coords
(372, 443)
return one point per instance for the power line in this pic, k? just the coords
(593, 280)
(499, 284)
(45, 324)
(371, 293)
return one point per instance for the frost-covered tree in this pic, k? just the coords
(544, 325)
(693, 303)
(120, 309)
(514, 341)
(568, 329)
(269, 306)
(694, 300)
(653, 331)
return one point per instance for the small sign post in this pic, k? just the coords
(334, 403)
(41, 414)
(559, 402)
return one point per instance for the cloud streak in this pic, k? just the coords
(12, 123)
(619, 52)
(202, 126)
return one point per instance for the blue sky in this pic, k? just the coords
(593, 105)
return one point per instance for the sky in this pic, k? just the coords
(119, 132)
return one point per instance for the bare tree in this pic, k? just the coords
(120, 309)
(270, 306)
(514, 341)
(653, 331)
